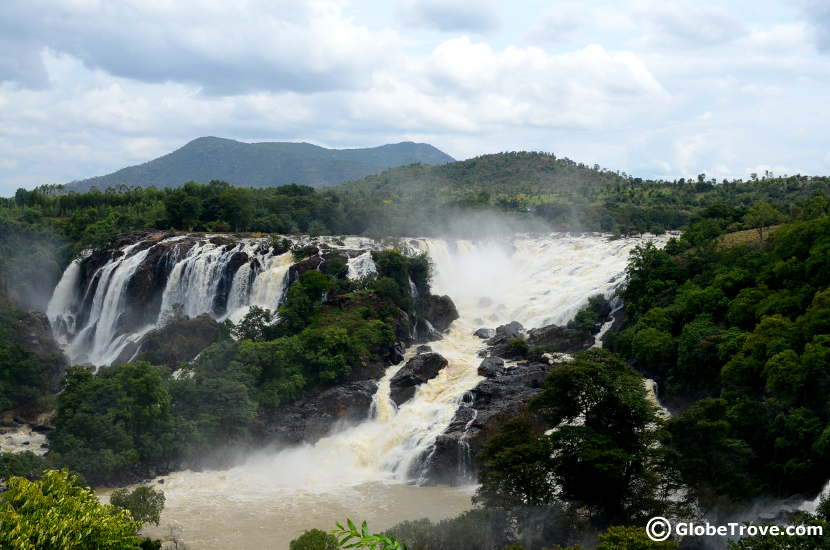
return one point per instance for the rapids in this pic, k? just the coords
(370, 470)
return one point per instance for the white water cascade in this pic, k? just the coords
(367, 470)
(89, 322)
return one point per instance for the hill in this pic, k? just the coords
(568, 195)
(264, 164)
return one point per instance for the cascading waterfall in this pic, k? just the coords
(95, 325)
(367, 470)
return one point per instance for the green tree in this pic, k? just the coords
(56, 513)
(603, 452)
(144, 503)
(762, 215)
(113, 420)
(314, 539)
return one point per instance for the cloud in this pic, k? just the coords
(818, 16)
(689, 24)
(561, 23)
(449, 15)
(222, 47)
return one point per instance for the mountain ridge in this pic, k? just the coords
(264, 164)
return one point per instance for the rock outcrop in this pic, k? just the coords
(560, 339)
(418, 370)
(435, 314)
(502, 396)
(312, 417)
(177, 342)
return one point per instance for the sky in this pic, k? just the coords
(659, 89)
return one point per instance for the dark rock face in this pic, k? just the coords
(418, 370)
(313, 262)
(146, 286)
(514, 329)
(485, 333)
(491, 367)
(313, 416)
(560, 339)
(220, 299)
(439, 311)
(494, 401)
(176, 342)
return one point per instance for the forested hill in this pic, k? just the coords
(564, 194)
(264, 164)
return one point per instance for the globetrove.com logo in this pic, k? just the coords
(659, 529)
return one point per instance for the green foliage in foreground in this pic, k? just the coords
(143, 503)
(631, 538)
(56, 513)
(314, 539)
(352, 537)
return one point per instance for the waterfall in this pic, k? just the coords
(371, 469)
(535, 280)
(361, 266)
(200, 275)
(59, 310)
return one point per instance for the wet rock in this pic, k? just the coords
(501, 397)
(223, 288)
(423, 348)
(513, 329)
(439, 311)
(417, 371)
(499, 345)
(146, 286)
(485, 333)
(491, 367)
(311, 263)
(313, 416)
(176, 342)
(560, 339)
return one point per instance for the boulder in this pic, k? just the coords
(423, 348)
(499, 345)
(513, 329)
(417, 371)
(560, 339)
(491, 367)
(485, 333)
(439, 311)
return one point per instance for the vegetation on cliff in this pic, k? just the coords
(739, 336)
